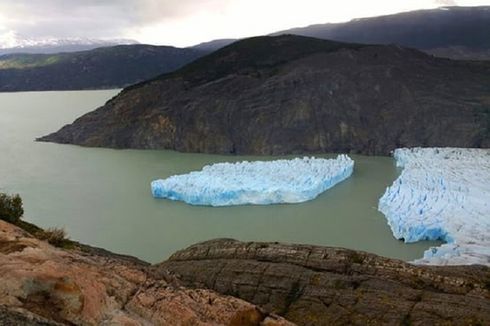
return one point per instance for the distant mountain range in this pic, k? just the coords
(107, 67)
(457, 32)
(214, 45)
(16, 43)
(453, 32)
(293, 94)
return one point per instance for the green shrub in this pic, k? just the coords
(11, 208)
(54, 236)
(11, 211)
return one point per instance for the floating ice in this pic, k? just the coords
(260, 183)
(442, 193)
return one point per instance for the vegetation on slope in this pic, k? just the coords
(11, 210)
(108, 67)
(23, 61)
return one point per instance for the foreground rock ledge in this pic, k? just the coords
(43, 285)
(227, 282)
(313, 285)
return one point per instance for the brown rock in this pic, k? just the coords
(227, 282)
(313, 285)
(43, 285)
(10, 316)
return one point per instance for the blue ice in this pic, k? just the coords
(258, 183)
(442, 194)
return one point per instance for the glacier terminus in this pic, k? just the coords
(442, 194)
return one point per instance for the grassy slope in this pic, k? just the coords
(22, 61)
(107, 67)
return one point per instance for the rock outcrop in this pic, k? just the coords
(313, 285)
(227, 282)
(291, 94)
(43, 285)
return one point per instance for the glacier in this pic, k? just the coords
(442, 194)
(258, 183)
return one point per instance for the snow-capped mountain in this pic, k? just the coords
(12, 42)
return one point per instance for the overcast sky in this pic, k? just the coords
(187, 22)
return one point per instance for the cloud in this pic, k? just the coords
(446, 2)
(93, 18)
(183, 22)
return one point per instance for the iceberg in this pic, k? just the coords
(442, 194)
(259, 183)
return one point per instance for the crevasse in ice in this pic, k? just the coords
(442, 193)
(261, 182)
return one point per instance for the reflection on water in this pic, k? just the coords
(102, 196)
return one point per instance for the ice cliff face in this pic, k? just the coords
(260, 183)
(442, 193)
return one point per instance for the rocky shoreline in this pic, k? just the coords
(227, 282)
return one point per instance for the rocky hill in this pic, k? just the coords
(292, 94)
(106, 67)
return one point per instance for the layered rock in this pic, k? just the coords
(227, 282)
(43, 285)
(313, 285)
(292, 94)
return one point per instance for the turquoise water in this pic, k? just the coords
(102, 196)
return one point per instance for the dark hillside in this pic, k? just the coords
(291, 94)
(108, 67)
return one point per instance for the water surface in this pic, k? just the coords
(102, 196)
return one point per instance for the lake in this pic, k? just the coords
(102, 196)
